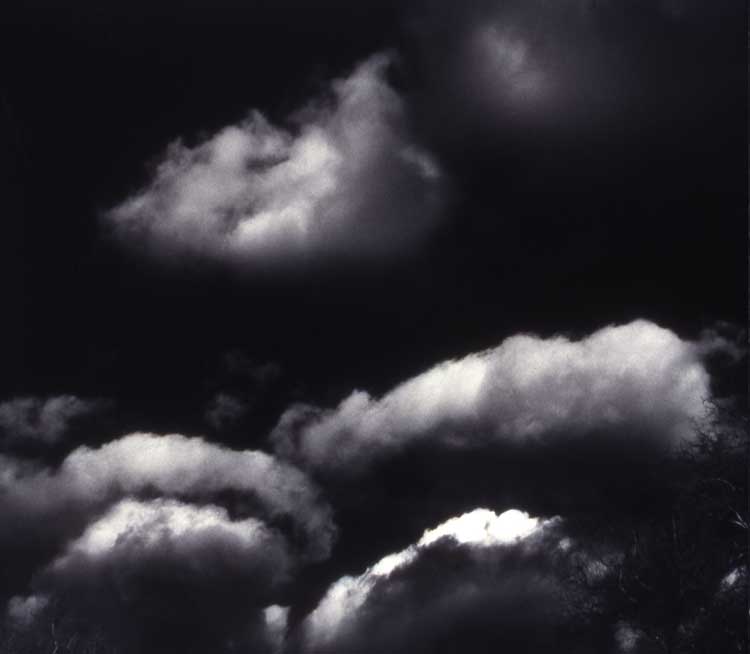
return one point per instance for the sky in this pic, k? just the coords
(325, 322)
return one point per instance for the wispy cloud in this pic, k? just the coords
(44, 420)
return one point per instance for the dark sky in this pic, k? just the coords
(503, 168)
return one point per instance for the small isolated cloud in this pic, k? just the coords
(26, 420)
(241, 386)
(225, 409)
(637, 382)
(726, 340)
(479, 577)
(173, 466)
(506, 66)
(345, 181)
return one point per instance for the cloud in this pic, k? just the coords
(22, 611)
(636, 381)
(189, 572)
(174, 466)
(276, 620)
(725, 339)
(157, 543)
(25, 420)
(529, 72)
(133, 525)
(225, 409)
(478, 582)
(243, 387)
(345, 181)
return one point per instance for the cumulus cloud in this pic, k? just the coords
(43, 420)
(175, 466)
(636, 381)
(146, 526)
(189, 571)
(158, 543)
(453, 578)
(345, 180)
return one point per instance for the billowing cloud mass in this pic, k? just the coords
(43, 420)
(636, 381)
(189, 571)
(176, 466)
(346, 180)
(477, 571)
(160, 542)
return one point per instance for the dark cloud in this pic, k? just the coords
(245, 391)
(480, 582)
(225, 409)
(160, 541)
(344, 181)
(725, 340)
(44, 421)
(565, 67)
(166, 574)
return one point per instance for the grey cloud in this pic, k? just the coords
(225, 409)
(44, 420)
(495, 66)
(725, 339)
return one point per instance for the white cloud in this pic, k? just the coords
(483, 527)
(172, 465)
(185, 533)
(44, 420)
(636, 379)
(339, 609)
(346, 181)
